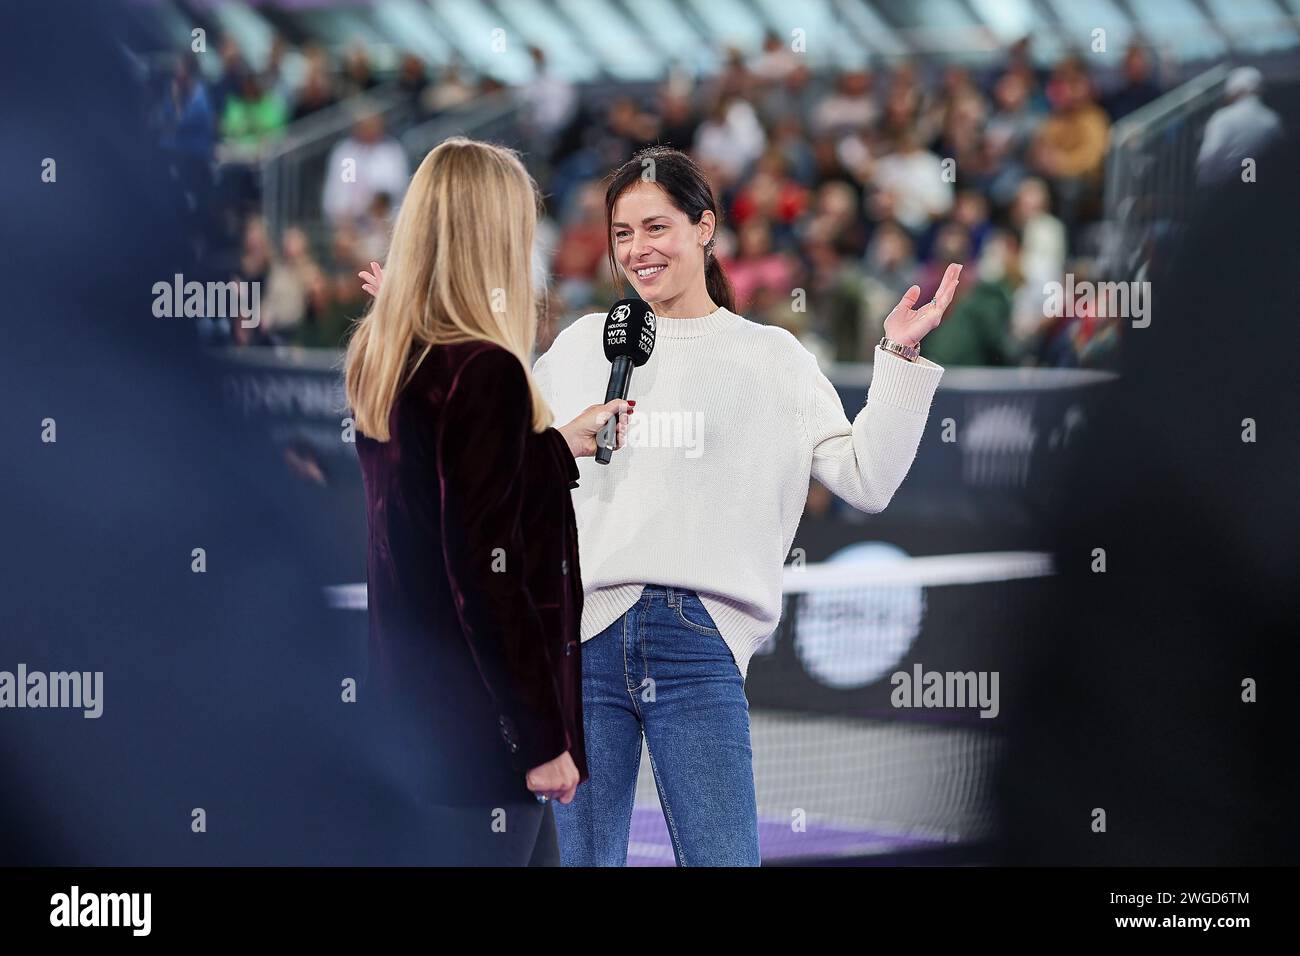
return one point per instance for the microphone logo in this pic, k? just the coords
(650, 321)
(620, 314)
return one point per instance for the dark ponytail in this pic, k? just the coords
(688, 189)
(719, 286)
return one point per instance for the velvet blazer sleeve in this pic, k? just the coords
(483, 443)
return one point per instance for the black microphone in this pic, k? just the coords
(629, 340)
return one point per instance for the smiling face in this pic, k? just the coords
(660, 250)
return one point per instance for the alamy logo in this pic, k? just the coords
(668, 430)
(620, 314)
(102, 909)
(946, 689)
(209, 300)
(1116, 300)
(36, 689)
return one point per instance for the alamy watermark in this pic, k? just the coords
(82, 690)
(1116, 300)
(75, 908)
(667, 430)
(946, 689)
(235, 299)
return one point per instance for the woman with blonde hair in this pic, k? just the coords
(472, 568)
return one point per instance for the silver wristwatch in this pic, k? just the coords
(909, 352)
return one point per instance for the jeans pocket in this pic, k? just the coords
(692, 612)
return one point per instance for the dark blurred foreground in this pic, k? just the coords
(222, 690)
(1133, 697)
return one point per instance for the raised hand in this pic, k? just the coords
(909, 325)
(370, 281)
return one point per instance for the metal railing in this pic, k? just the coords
(495, 118)
(293, 167)
(1151, 170)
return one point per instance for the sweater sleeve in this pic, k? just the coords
(481, 459)
(865, 462)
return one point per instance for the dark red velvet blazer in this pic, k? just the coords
(475, 598)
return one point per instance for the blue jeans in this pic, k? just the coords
(663, 670)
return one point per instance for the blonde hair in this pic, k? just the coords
(459, 269)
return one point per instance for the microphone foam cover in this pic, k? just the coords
(630, 331)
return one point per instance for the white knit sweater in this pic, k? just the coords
(732, 418)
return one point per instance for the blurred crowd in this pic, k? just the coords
(838, 190)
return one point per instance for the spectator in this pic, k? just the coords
(962, 141)
(188, 122)
(957, 92)
(358, 74)
(1138, 88)
(254, 268)
(334, 298)
(450, 91)
(911, 186)
(1243, 128)
(902, 108)
(1008, 135)
(412, 79)
(1042, 235)
(361, 167)
(1083, 336)
(730, 139)
(317, 90)
(890, 262)
(284, 72)
(758, 274)
(836, 218)
(776, 62)
(952, 243)
(976, 330)
(582, 248)
(627, 129)
(375, 229)
(793, 98)
(889, 270)
(735, 80)
(850, 109)
(678, 122)
(550, 98)
(770, 193)
(233, 69)
(970, 210)
(1071, 142)
(252, 114)
(791, 141)
(288, 280)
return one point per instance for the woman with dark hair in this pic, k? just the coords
(683, 536)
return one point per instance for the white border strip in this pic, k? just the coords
(932, 571)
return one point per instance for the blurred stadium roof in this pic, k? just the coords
(588, 40)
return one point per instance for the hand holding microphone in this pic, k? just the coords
(629, 339)
(581, 432)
